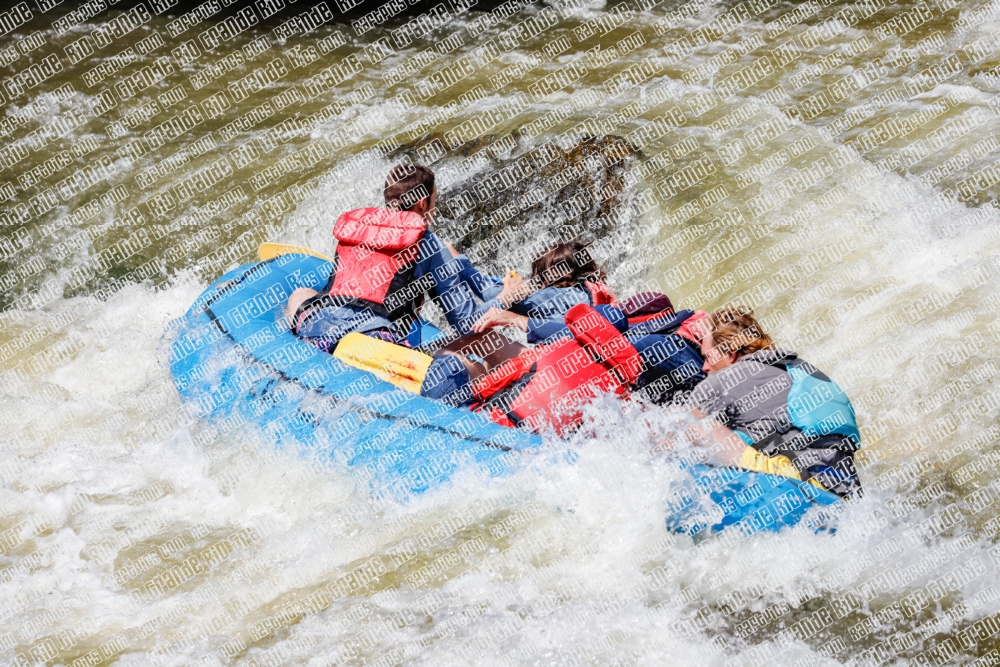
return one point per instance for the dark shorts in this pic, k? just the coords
(323, 325)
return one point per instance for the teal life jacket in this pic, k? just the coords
(814, 426)
(821, 434)
(817, 406)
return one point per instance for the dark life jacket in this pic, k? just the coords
(374, 263)
(683, 323)
(645, 306)
(545, 385)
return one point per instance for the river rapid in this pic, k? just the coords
(831, 164)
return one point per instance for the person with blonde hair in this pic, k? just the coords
(790, 418)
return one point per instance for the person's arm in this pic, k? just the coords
(545, 321)
(515, 290)
(724, 446)
(719, 445)
(498, 317)
(453, 295)
(538, 330)
(484, 287)
(494, 292)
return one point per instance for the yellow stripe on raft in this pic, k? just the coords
(772, 465)
(397, 365)
(272, 250)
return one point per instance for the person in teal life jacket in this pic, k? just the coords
(386, 261)
(790, 418)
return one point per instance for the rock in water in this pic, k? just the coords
(494, 190)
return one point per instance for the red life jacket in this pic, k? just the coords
(545, 385)
(375, 260)
(691, 328)
(600, 294)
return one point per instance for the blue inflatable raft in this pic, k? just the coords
(234, 357)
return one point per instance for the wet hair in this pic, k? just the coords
(406, 185)
(734, 329)
(565, 265)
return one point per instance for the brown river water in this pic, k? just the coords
(831, 164)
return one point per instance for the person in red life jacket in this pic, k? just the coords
(667, 342)
(564, 277)
(385, 263)
(545, 386)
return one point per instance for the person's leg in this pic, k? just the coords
(296, 299)
(447, 380)
(670, 365)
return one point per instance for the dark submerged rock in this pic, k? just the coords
(498, 193)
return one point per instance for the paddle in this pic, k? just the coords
(272, 250)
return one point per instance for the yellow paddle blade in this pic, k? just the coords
(272, 250)
(395, 364)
